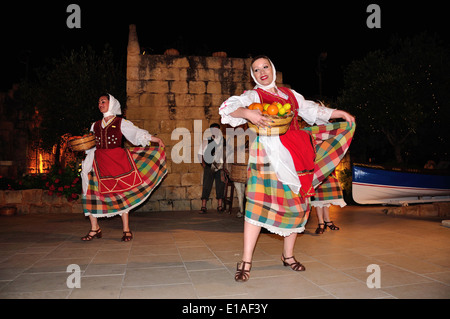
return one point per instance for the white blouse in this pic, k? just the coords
(311, 112)
(279, 157)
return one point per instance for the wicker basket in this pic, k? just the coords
(279, 126)
(83, 143)
(238, 173)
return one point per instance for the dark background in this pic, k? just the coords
(292, 33)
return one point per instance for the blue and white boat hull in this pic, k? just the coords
(376, 185)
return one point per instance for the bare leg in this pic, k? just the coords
(251, 233)
(320, 212)
(289, 243)
(126, 227)
(326, 214)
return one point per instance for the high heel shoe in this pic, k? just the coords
(126, 237)
(88, 237)
(320, 230)
(331, 226)
(296, 265)
(242, 275)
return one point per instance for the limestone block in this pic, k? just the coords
(153, 99)
(182, 205)
(13, 197)
(194, 191)
(32, 196)
(184, 100)
(214, 87)
(178, 87)
(197, 87)
(173, 179)
(156, 86)
(39, 208)
(135, 87)
(175, 192)
(189, 179)
(166, 205)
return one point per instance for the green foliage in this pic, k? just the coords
(66, 92)
(58, 182)
(399, 96)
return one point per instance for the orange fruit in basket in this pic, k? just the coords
(272, 109)
(256, 106)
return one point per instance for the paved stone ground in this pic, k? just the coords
(185, 255)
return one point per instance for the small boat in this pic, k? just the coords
(373, 184)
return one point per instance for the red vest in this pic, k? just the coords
(109, 136)
(297, 141)
(114, 167)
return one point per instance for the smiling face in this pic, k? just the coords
(103, 104)
(263, 72)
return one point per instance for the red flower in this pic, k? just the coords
(60, 189)
(52, 187)
(57, 181)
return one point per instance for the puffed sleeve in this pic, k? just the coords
(312, 112)
(235, 102)
(134, 134)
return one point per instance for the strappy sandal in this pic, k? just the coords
(296, 265)
(88, 237)
(203, 210)
(320, 230)
(220, 209)
(331, 226)
(242, 275)
(126, 237)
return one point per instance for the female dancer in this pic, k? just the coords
(116, 179)
(283, 170)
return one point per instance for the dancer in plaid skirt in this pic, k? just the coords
(114, 179)
(283, 170)
(328, 193)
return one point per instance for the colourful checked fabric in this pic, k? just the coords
(272, 205)
(331, 143)
(151, 164)
(328, 193)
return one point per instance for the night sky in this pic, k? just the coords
(292, 34)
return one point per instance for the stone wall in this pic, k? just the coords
(165, 92)
(37, 201)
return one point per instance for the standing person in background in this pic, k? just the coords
(212, 170)
(326, 194)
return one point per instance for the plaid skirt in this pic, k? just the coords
(270, 203)
(328, 193)
(151, 164)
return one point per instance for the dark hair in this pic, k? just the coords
(215, 125)
(104, 94)
(262, 56)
